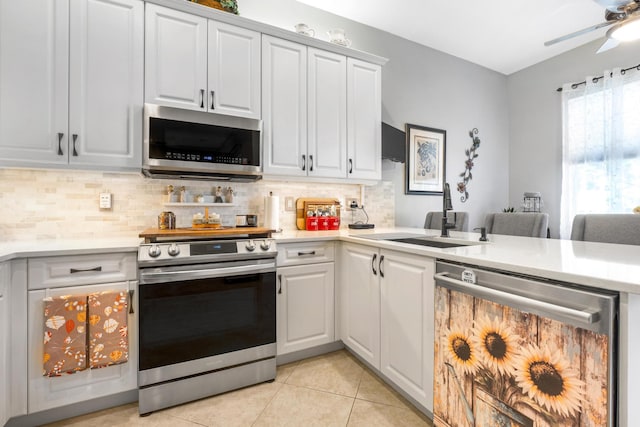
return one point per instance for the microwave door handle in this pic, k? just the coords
(583, 316)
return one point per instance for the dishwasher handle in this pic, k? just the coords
(583, 316)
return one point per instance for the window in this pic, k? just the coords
(601, 147)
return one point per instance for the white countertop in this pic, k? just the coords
(601, 265)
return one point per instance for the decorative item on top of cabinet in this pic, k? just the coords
(226, 5)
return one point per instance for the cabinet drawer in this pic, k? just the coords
(304, 253)
(55, 272)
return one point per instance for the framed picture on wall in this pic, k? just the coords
(425, 163)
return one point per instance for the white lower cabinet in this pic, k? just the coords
(406, 323)
(359, 301)
(305, 302)
(305, 307)
(386, 314)
(89, 274)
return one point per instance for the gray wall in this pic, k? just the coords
(425, 87)
(535, 122)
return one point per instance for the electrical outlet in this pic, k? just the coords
(352, 203)
(105, 200)
(289, 204)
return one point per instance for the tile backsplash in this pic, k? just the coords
(49, 204)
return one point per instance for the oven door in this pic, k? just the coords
(201, 318)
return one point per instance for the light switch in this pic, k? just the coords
(105, 200)
(288, 204)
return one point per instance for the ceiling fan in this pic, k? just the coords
(622, 15)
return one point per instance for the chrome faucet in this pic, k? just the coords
(446, 206)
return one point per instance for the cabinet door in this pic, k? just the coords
(34, 55)
(52, 392)
(364, 137)
(106, 74)
(305, 307)
(360, 301)
(234, 70)
(284, 107)
(175, 58)
(327, 102)
(4, 343)
(406, 319)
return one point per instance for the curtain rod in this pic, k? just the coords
(595, 79)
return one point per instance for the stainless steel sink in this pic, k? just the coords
(419, 239)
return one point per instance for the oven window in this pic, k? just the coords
(196, 142)
(188, 320)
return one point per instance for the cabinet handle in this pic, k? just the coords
(350, 165)
(280, 282)
(373, 264)
(380, 266)
(304, 162)
(84, 270)
(213, 104)
(306, 253)
(131, 291)
(75, 138)
(60, 136)
(202, 98)
(310, 162)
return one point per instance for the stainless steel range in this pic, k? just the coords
(207, 319)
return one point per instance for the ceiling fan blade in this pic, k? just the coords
(579, 33)
(613, 5)
(608, 44)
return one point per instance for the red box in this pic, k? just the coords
(312, 223)
(323, 223)
(334, 223)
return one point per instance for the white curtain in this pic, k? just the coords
(600, 146)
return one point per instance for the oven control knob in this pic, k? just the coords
(173, 249)
(250, 246)
(154, 251)
(265, 245)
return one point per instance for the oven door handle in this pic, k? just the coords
(154, 277)
(583, 316)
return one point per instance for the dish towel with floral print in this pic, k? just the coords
(108, 334)
(65, 335)
(81, 327)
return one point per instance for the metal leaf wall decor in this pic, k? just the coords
(463, 186)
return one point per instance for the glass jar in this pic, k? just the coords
(166, 221)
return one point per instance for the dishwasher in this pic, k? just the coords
(516, 350)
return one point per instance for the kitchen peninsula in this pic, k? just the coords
(595, 265)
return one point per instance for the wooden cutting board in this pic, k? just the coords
(303, 204)
(152, 234)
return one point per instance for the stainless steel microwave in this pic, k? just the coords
(180, 143)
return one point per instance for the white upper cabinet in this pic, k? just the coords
(321, 112)
(175, 58)
(71, 82)
(364, 117)
(34, 91)
(327, 103)
(201, 64)
(284, 107)
(106, 73)
(234, 70)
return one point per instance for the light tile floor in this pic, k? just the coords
(334, 389)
